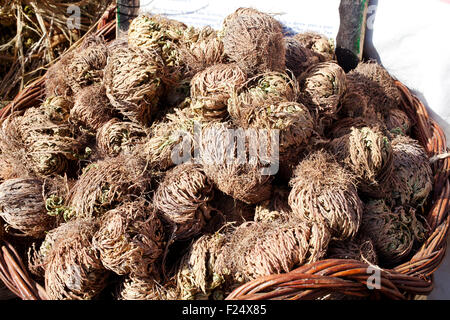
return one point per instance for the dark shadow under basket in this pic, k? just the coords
(348, 277)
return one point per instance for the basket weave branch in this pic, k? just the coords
(314, 280)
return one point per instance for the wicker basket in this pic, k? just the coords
(314, 280)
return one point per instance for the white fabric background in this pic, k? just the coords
(411, 40)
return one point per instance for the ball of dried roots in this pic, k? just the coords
(378, 74)
(116, 137)
(198, 55)
(196, 277)
(87, 63)
(183, 197)
(212, 87)
(57, 108)
(324, 192)
(158, 33)
(91, 108)
(161, 150)
(134, 82)
(256, 249)
(398, 122)
(321, 45)
(150, 30)
(321, 87)
(345, 126)
(367, 152)
(107, 183)
(359, 248)
(242, 11)
(392, 232)
(130, 238)
(147, 288)
(22, 207)
(298, 57)
(56, 80)
(412, 176)
(73, 270)
(292, 119)
(235, 166)
(264, 89)
(356, 102)
(276, 208)
(255, 42)
(38, 145)
(371, 87)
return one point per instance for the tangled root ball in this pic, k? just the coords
(292, 119)
(258, 249)
(196, 274)
(22, 207)
(242, 11)
(412, 177)
(38, 145)
(130, 238)
(298, 57)
(57, 109)
(345, 126)
(398, 122)
(201, 54)
(265, 89)
(56, 82)
(255, 42)
(106, 183)
(367, 152)
(119, 137)
(183, 197)
(134, 82)
(378, 74)
(212, 87)
(322, 46)
(359, 248)
(146, 288)
(324, 192)
(87, 63)
(165, 138)
(73, 270)
(393, 232)
(92, 108)
(233, 165)
(321, 87)
(151, 30)
(371, 87)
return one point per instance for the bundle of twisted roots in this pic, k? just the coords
(143, 174)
